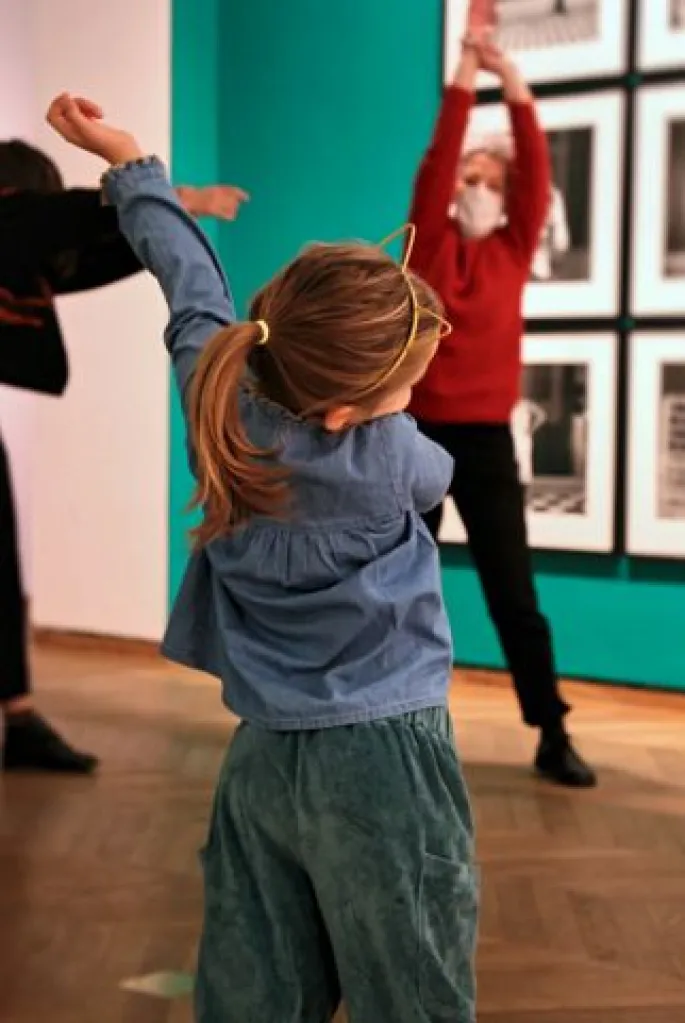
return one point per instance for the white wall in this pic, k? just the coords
(100, 461)
(17, 118)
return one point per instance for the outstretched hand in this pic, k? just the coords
(220, 201)
(79, 122)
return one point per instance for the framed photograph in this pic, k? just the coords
(576, 269)
(550, 40)
(658, 257)
(655, 511)
(661, 34)
(564, 430)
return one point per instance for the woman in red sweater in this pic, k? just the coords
(479, 217)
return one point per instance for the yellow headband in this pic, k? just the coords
(445, 328)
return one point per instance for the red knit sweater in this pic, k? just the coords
(475, 375)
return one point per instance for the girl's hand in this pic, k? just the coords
(220, 201)
(79, 121)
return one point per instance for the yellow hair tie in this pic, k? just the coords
(264, 327)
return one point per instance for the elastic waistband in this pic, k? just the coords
(433, 719)
(436, 720)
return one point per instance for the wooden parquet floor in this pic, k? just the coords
(584, 893)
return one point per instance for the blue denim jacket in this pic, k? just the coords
(335, 616)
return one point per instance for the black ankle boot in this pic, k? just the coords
(557, 761)
(32, 745)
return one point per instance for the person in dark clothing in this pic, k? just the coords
(478, 217)
(53, 241)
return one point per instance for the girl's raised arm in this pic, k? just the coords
(162, 235)
(173, 248)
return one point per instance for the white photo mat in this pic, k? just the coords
(648, 532)
(604, 55)
(593, 530)
(654, 293)
(603, 113)
(660, 45)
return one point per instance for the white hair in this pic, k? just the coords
(500, 145)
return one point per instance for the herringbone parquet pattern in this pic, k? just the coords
(584, 893)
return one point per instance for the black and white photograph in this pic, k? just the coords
(564, 250)
(655, 513)
(549, 426)
(674, 211)
(539, 24)
(575, 271)
(671, 479)
(661, 34)
(658, 257)
(550, 40)
(564, 432)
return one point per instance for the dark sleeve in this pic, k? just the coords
(33, 358)
(530, 188)
(38, 228)
(434, 186)
(104, 261)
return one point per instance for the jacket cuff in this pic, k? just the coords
(122, 180)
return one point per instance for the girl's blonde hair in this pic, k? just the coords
(342, 325)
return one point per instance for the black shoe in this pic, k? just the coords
(557, 761)
(32, 745)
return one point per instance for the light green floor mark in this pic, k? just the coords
(166, 984)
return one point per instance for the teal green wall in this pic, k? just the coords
(322, 112)
(195, 126)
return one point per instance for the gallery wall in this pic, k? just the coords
(197, 51)
(323, 114)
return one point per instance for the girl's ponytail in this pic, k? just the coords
(235, 479)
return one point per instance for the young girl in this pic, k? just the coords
(479, 217)
(339, 860)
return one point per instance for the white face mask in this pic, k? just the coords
(478, 211)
